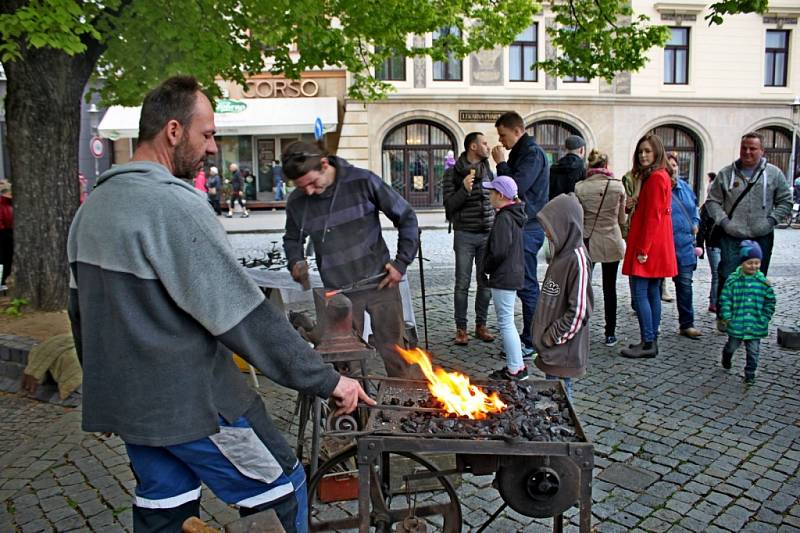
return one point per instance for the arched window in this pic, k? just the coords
(778, 148)
(413, 159)
(550, 135)
(687, 145)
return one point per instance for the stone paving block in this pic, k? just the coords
(62, 512)
(759, 527)
(719, 499)
(678, 506)
(105, 518)
(52, 503)
(71, 523)
(770, 517)
(91, 507)
(758, 493)
(639, 510)
(628, 477)
(36, 526)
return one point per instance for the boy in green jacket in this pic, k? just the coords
(747, 304)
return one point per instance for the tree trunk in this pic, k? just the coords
(43, 104)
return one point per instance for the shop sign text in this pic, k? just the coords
(281, 89)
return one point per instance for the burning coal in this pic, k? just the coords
(453, 389)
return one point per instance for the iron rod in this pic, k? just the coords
(422, 287)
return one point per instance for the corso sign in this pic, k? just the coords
(280, 88)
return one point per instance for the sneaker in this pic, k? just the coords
(504, 374)
(712, 308)
(229, 215)
(245, 215)
(611, 340)
(528, 351)
(749, 380)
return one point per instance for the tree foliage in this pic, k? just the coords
(130, 45)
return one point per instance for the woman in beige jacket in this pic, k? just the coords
(603, 199)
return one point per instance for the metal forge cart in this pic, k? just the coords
(536, 479)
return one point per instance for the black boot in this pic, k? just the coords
(647, 350)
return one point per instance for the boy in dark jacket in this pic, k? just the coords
(559, 325)
(747, 304)
(505, 265)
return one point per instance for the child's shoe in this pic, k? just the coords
(505, 374)
(611, 340)
(749, 379)
(726, 361)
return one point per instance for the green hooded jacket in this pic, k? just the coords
(747, 303)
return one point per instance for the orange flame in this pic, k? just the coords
(453, 389)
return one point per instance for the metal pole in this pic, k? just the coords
(422, 286)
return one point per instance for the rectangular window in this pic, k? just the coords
(676, 57)
(392, 69)
(450, 69)
(523, 55)
(776, 58)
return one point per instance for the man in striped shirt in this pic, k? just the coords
(338, 206)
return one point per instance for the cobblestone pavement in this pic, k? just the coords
(701, 451)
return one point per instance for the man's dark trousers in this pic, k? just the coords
(729, 251)
(470, 247)
(533, 237)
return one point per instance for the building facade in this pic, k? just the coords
(254, 123)
(700, 93)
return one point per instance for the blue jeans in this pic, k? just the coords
(646, 294)
(504, 301)
(567, 384)
(752, 349)
(714, 257)
(533, 237)
(470, 248)
(683, 295)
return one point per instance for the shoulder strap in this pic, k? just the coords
(744, 193)
(602, 199)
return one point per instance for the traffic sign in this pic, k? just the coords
(319, 129)
(97, 147)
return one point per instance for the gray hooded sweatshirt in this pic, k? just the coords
(155, 292)
(768, 202)
(566, 300)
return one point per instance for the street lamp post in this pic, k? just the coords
(93, 112)
(795, 126)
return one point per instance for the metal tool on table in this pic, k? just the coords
(360, 285)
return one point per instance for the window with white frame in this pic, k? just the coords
(676, 57)
(523, 55)
(776, 56)
(451, 68)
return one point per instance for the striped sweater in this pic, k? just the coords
(747, 303)
(344, 224)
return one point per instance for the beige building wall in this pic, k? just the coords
(725, 96)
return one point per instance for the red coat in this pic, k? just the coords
(650, 233)
(6, 213)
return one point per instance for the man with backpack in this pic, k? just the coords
(467, 207)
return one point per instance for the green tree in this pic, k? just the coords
(50, 49)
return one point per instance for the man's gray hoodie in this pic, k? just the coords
(559, 325)
(155, 290)
(768, 202)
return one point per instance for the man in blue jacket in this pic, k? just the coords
(527, 164)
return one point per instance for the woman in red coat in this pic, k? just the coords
(650, 254)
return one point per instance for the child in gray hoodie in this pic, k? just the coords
(565, 303)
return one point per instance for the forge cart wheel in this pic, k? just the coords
(333, 495)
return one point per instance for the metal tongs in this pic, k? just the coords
(361, 285)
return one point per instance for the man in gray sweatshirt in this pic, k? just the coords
(747, 200)
(157, 302)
